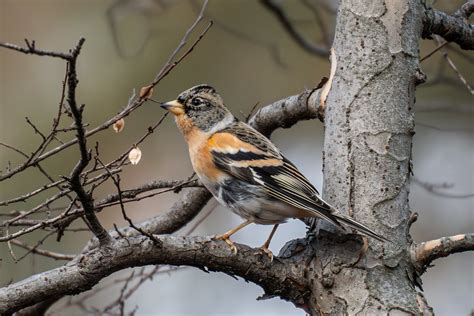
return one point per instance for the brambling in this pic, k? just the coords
(244, 170)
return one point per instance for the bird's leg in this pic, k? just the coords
(226, 236)
(265, 246)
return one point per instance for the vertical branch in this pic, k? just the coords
(85, 155)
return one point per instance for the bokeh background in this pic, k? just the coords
(250, 59)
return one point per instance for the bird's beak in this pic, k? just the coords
(174, 107)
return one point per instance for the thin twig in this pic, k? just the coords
(37, 131)
(31, 49)
(322, 26)
(10, 250)
(433, 51)
(14, 149)
(133, 103)
(458, 73)
(280, 14)
(116, 181)
(436, 188)
(110, 200)
(199, 222)
(169, 63)
(42, 252)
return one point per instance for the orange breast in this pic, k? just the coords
(201, 157)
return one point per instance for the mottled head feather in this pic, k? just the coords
(205, 107)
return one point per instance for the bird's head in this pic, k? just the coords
(199, 107)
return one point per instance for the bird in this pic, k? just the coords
(245, 171)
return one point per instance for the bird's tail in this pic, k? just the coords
(358, 226)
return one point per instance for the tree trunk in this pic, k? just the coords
(369, 124)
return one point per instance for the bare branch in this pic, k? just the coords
(37, 131)
(142, 276)
(42, 252)
(287, 112)
(133, 103)
(453, 66)
(85, 156)
(319, 19)
(277, 10)
(277, 277)
(437, 189)
(14, 149)
(465, 10)
(122, 207)
(182, 212)
(69, 215)
(169, 63)
(425, 253)
(271, 47)
(31, 49)
(452, 28)
(433, 51)
(37, 309)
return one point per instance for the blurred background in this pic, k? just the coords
(250, 59)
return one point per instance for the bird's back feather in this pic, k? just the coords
(249, 156)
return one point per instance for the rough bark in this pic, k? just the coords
(453, 28)
(367, 148)
(281, 277)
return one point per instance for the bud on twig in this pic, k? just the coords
(135, 155)
(146, 92)
(119, 125)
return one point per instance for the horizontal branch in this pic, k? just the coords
(287, 112)
(426, 252)
(453, 28)
(97, 262)
(181, 212)
(465, 10)
(31, 49)
(42, 252)
(278, 277)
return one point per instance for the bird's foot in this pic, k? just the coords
(267, 252)
(225, 237)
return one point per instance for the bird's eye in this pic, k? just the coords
(197, 101)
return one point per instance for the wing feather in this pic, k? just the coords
(249, 156)
(260, 162)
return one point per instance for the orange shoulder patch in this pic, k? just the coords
(228, 143)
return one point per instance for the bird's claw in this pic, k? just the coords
(229, 242)
(268, 252)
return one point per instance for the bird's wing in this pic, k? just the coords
(249, 156)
